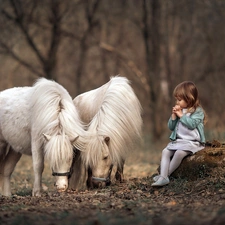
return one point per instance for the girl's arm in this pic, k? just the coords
(172, 123)
(194, 120)
(173, 118)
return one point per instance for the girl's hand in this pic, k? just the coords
(174, 109)
(177, 111)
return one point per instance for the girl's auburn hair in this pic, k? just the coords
(188, 91)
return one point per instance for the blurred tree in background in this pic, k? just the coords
(154, 43)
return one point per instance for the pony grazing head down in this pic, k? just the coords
(60, 159)
(56, 128)
(112, 114)
(98, 161)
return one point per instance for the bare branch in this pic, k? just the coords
(7, 50)
(18, 20)
(129, 63)
(70, 35)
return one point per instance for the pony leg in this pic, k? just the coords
(119, 173)
(1, 170)
(7, 168)
(38, 166)
(78, 177)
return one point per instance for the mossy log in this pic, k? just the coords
(208, 162)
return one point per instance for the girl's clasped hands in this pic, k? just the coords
(177, 111)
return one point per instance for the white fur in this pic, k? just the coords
(112, 110)
(25, 114)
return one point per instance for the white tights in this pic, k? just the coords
(169, 165)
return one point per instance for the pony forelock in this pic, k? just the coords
(53, 150)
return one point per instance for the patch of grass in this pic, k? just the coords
(24, 192)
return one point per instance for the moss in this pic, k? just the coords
(201, 164)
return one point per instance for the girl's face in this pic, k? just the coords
(181, 103)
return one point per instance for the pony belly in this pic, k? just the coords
(19, 139)
(23, 147)
(22, 150)
(25, 151)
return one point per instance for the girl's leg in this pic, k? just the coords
(176, 160)
(164, 168)
(165, 162)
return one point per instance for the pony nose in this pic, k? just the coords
(98, 184)
(61, 186)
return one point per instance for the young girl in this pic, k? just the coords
(187, 126)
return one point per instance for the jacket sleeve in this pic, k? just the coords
(194, 120)
(172, 123)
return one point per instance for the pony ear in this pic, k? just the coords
(47, 137)
(107, 139)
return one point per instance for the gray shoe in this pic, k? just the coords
(161, 182)
(155, 178)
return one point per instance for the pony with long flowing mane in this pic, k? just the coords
(41, 121)
(112, 114)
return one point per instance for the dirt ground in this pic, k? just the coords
(200, 201)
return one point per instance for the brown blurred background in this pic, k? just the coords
(154, 43)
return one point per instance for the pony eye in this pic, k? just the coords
(106, 157)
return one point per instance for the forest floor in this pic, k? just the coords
(199, 201)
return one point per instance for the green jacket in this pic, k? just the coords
(194, 121)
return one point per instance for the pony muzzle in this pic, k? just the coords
(62, 180)
(98, 181)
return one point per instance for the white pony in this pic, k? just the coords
(112, 114)
(41, 121)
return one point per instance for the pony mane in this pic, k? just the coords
(54, 114)
(117, 115)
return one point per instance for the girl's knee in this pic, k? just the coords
(181, 154)
(167, 153)
(164, 151)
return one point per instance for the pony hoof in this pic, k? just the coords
(36, 194)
